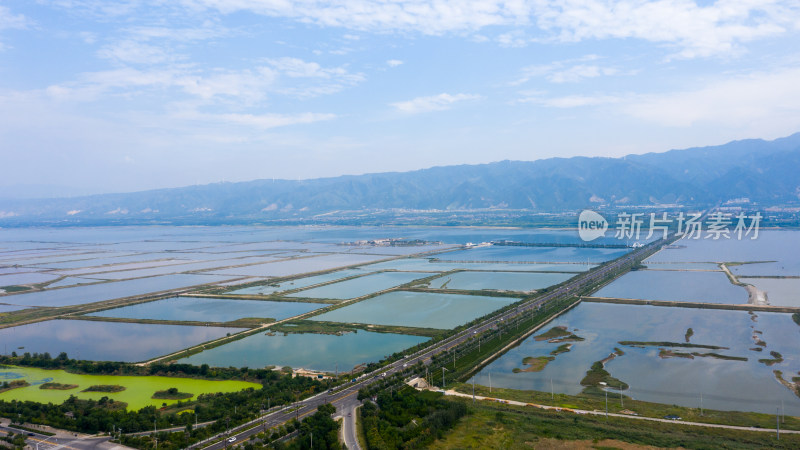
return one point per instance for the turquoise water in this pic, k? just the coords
(105, 341)
(728, 385)
(361, 286)
(308, 351)
(209, 309)
(417, 309)
(706, 287)
(534, 254)
(508, 281)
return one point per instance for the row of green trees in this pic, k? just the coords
(63, 361)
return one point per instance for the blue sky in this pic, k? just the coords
(102, 96)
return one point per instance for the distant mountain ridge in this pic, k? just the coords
(765, 172)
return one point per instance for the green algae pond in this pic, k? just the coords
(137, 393)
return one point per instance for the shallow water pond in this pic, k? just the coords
(504, 281)
(417, 309)
(725, 384)
(686, 286)
(201, 309)
(325, 352)
(105, 341)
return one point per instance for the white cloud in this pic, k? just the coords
(761, 102)
(693, 30)
(568, 101)
(426, 17)
(394, 62)
(513, 39)
(9, 20)
(297, 68)
(129, 51)
(567, 71)
(245, 86)
(433, 103)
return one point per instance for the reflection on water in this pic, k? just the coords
(706, 287)
(310, 351)
(105, 341)
(724, 384)
(361, 286)
(108, 291)
(535, 254)
(417, 309)
(209, 309)
(780, 291)
(507, 281)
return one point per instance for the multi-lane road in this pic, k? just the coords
(344, 396)
(65, 440)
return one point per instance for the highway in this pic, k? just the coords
(64, 440)
(347, 393)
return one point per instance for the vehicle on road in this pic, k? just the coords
(232, 439)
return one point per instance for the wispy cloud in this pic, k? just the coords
(691, 29)
(568, 101)
(11, 21)
(757, 101)
(260, 121)
(432, 103)
(430, 18)
(567, 71)
(394, 63)
(134, 52)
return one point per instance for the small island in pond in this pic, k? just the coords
(58, 386)
(9, 385)
(558, 334)
(105, 388)
(534, 363)
(172, 394)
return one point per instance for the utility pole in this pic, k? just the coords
(701, 403)
(606, 404)
(552, 392)
(490, 382)
(778, 423)
(473, 390)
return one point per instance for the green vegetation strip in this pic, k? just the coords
(313, 326)
(669, 344)
(776, 358)
(105, 388)
(58, 386)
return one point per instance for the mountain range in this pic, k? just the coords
(752, 171)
